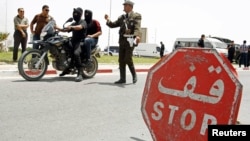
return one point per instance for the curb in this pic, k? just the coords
(54, 72)
(9, 70)
(114, 70)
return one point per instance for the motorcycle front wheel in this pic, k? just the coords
(91, 70)
(30, 66)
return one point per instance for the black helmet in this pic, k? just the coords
(77, 13)
(78, 10)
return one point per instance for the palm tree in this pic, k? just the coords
(3, 37)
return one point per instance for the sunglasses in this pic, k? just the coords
(21, 11)
(47, 10)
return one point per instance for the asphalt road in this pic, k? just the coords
(59, 109)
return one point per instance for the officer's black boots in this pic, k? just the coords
(135, 79)
(132, 70)
(79, 75)
(122, 79)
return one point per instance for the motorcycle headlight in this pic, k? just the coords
(42, 35)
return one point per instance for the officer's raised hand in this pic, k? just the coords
(106, 17)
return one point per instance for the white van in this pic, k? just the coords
(220, 46)
(148, 50)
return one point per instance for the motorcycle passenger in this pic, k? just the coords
(93, 32)
(79, 31)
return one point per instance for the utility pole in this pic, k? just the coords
(110, 2)
(6, 14)
(155, 34)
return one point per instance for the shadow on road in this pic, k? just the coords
(51, 79)
(111, 84)
(137, 139)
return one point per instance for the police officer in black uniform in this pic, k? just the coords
(129, 37)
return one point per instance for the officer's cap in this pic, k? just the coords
(128, 2)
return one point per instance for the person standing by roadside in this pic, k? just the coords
(40, 20)
(130, 25)
(178, 45)
(243, 56)
(201, 41)
(162, 49)
(231, 51)
(248, 56)
(21, 24)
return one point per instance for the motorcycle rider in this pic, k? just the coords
(93, 32)
(79, 31)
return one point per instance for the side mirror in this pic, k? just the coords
(69, 20)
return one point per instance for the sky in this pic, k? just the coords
(165, 20)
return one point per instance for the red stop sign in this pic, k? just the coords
(188, 90)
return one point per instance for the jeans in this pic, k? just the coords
(36, 46)
(36, 37)
(88, 44)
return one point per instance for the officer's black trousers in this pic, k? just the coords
(125, 58)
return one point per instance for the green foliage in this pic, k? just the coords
(7, 57)
(137, 60)
(3, 36)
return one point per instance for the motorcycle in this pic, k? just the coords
(33, 64)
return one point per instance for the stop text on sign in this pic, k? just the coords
(157, 115)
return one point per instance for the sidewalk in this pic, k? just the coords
(9, 70)
(12, 70)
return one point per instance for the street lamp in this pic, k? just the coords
(6, 16)
(110, 2)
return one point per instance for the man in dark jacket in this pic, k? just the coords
(231, 52)
(79, 30)
(162, 49)
(201, 41)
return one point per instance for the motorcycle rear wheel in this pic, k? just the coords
(91, 70)
(28, 65)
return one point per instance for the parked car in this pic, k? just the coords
(225, 40)
(220, 46)
(112, 50)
